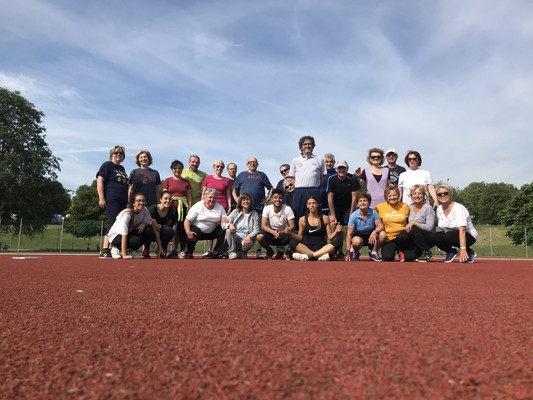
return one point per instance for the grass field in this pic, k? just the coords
(491, 242)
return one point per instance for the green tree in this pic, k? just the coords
(518, 215)
(28, 185)
(484, 200)
(84, 218)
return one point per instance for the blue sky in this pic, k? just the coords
(227, 80)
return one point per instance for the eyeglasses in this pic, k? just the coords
(443, 194)
(376, 157)
(177, 168)
(251, 162)
(412, 159)
(284, 171)
(118, 153)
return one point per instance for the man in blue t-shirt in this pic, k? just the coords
(254, 183)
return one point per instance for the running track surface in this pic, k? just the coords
(83, 327)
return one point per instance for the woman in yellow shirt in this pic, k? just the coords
(394, 215)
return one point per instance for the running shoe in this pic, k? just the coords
(310, 257)
(207, 255)
(135, 254)
(106, 253)
(424, 257)
(288, 254)
(269, 254)
(451, 256)
(182, 255)
(188, 256)
(279, 255)
(324, 257)
(146, 252)
(172, 254)
(258, 254)
(115, 253)
(375, 257)
(471, 256)
(355, 255)
(401, 256)
(299, 256)
(233, 255)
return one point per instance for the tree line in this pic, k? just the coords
(29, 188)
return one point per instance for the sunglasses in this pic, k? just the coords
(443, 194)
(376, 157)
(412, 159)
(284, 171)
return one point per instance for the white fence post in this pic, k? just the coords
(20, 233)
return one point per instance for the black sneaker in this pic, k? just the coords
(188, 256)
(207, 254)
(424, 257)
(106, 253)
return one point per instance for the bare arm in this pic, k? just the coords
(100, 190)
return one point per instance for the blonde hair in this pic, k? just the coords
(148, 154)
(422, 189)
(117, 149)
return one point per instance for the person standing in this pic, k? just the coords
(329, 162)
(394, 169)
(112, 188)
(375, 178)
(285, 183)
(254, 183)
(413, 176)
(231, 168)
(308, 172)
(195, 177)
(144, 179)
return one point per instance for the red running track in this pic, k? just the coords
(83, 327)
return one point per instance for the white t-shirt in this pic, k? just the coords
(307, 171)
(204, 218)
(410, 178)
(121, 225)
(458, 216)
(278, 220)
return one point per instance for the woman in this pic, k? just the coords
(112, 188)
(394, 215)
(457, 228)
(375, 177)
(314, 231)
(415, 176)
(223, 187)
(180, 189)
(144, 179)
(364, 229)
(165, 216)
(203, 222)
(421, 224)
(243, 228)
(133, 228)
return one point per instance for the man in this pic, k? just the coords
(195, 178)
(285, 184)
(277, 223)
(232, 175)
(394, 169)
(308, 172)
(254, 183)
(342, 194)
(329, 162)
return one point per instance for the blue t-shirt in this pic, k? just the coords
(115, 182)
(253, 183)
(362, 226)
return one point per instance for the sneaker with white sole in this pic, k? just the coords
(324, 257)
(299, 256)
(233, 255)
(451, 256)
(471, 256)
(115, 253)
(375, 257)
(424, 257)
(135, 254)
(106, 253)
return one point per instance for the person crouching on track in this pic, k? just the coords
(243, 228)
(133, 228)
(203, 222)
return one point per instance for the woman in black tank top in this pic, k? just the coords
(314, 231)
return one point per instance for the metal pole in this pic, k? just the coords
(525, 237)
(102, 236)
(20, 233)
(62, 229)
(490, 240)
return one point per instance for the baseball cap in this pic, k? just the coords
(391, 151)
(341, 163)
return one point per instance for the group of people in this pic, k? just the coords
(383, 206)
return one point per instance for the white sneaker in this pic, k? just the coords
(135, 254)
(299, 256)
(115, 253)
(232, 255)
(325, 257)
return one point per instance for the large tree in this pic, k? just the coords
(84, 218)
(28, 186)
(484, 200)
(518, 215)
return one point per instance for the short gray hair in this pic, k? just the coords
(449, 189)
(209, 191)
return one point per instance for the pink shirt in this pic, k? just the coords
(222, 186)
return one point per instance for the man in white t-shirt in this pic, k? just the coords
(277, 223)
